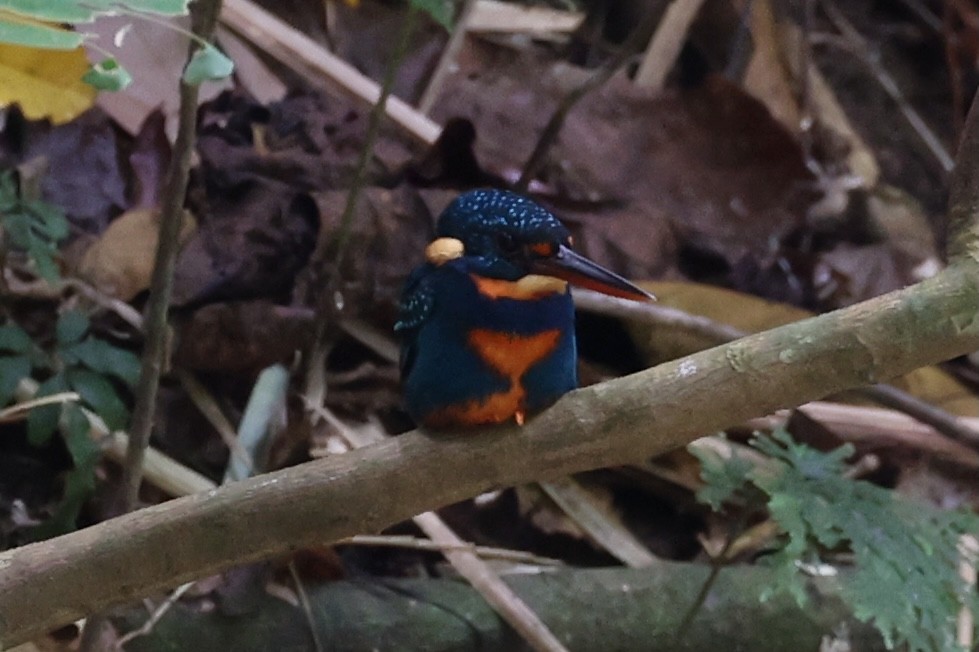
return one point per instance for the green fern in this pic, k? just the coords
(77, 361)
(904, 578)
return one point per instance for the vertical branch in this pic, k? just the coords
(373, 128)
(204, 14)
(315, 385)
(549, 136)
(963, 203)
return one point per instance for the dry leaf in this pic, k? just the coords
(46, 83)
(120, 262)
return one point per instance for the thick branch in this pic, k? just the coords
(51, 583)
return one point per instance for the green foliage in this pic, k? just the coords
(33, 226)
(77, 361)
(207, 64)
(34, 23)
(85, 11)
(17, 32)
(107, 75)
(905, 577)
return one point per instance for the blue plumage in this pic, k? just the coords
(488, 331)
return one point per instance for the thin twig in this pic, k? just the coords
(161, 471)
(205, 14)
(609, 532)
(655, 313)
(965, 623)
(945, 423)
(447, 60)
(155, 617)
(871, 58)
(204, 17)
(318, 66)
(880, 427)
(482, 578)
(598, 78)
(416, 543)
(496, 593)
(887, 395)
(19, 411)
(46, 291)
(717, 562)
(373, 129)
(205, 402)
(307, 607)
(326, 311)
(805, 80)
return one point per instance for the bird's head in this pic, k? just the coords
(507, 236)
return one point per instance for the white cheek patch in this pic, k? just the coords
(442, 250)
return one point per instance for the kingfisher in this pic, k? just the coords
(487, 322)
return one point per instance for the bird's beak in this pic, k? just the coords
(578, 270)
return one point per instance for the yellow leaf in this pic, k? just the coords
(46, 83)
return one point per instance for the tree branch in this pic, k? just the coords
(51, 583)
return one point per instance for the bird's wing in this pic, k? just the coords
(417, 301)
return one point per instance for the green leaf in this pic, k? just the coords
(8, 192)
(41, 253)
(160, 7)
(441, 11)
(55, 11)
(51, 221)
(208, 63)
(899, 548)
(76, 429)
(18, 228)
(13, 369)
(72, 325)
(36, 227)
(100, 356)
(76, 11)
(80, 481)
(723, 478)
(13, 338)
(99, 394)
(108, 75)
(36, 35)
(42, 421)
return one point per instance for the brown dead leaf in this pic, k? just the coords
(120, 261)
(83, 173)
(638, 174)
(251, 244)
(241, 336)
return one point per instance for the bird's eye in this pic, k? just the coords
(507, 245)
(543, 249)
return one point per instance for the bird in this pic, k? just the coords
(487, 321)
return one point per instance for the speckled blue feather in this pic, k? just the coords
(441, 305)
